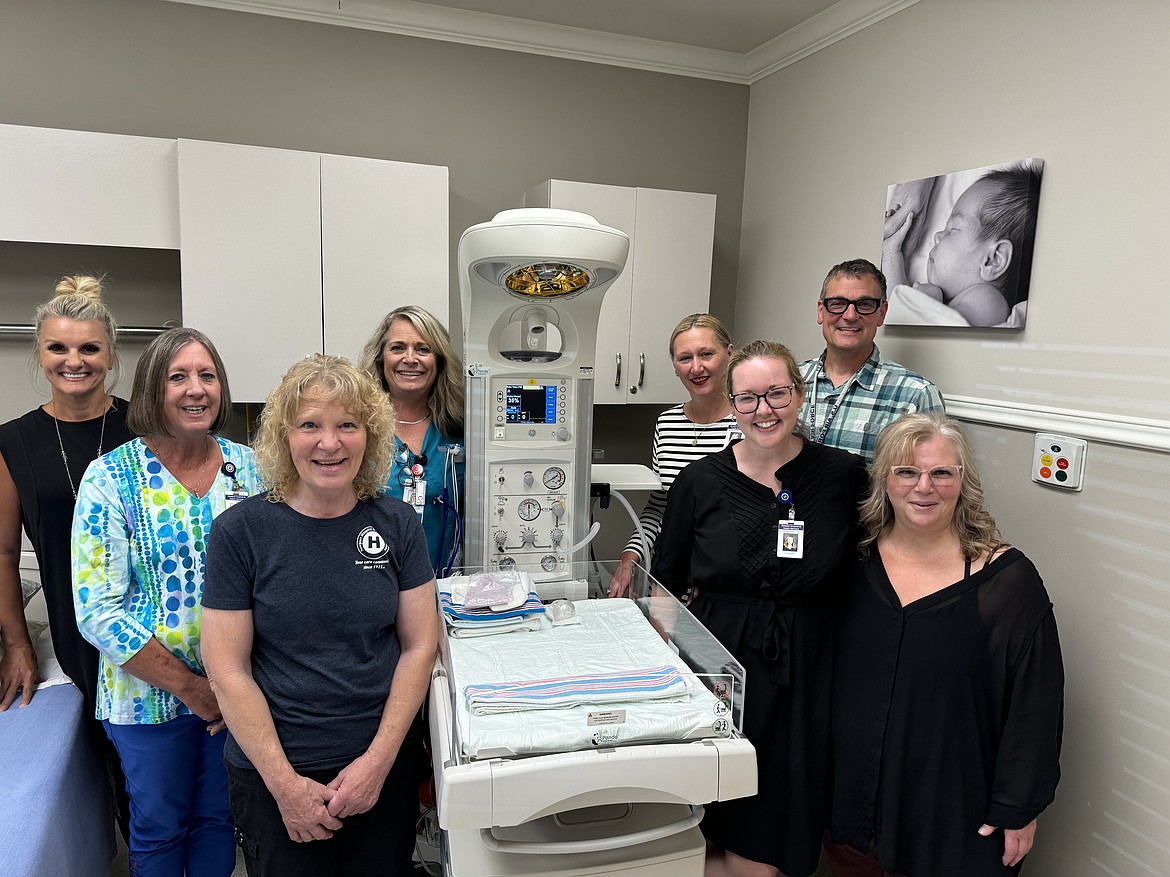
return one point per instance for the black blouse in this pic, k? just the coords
(947, 714)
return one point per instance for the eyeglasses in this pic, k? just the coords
(864, 306)
(940, 476)
(748, 403)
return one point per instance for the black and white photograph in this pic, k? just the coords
(957, 248)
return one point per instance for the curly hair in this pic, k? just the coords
(972, 523)
(325, 379)
(446, 401)
(79, 297)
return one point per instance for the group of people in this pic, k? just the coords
(825, 521)
(304, 621)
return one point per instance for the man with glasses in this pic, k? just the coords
(853, 391)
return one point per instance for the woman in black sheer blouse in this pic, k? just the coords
(948, 686)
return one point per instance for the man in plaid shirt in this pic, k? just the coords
(853, 391)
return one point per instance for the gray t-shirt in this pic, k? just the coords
(324, 597)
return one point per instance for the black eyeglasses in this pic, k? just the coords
(777, 398)
(863, 306)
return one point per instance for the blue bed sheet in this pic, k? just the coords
(54, 812)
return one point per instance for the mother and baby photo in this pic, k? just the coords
(957, 248)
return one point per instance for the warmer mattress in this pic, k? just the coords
(613, 637)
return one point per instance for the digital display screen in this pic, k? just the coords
(531, 403)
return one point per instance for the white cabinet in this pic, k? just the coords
(81, 187)
(288, 253)
(667, 276)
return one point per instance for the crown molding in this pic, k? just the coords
(521, 35)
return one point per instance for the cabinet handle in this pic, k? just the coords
(641, 368)
(617, 381)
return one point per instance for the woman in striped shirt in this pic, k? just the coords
(700, 348)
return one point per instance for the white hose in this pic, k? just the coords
(637, 524)
(588, 538)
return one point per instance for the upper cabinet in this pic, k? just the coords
(287, 253)
(81, 187)
(667, 276)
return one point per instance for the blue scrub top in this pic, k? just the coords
(438, 521)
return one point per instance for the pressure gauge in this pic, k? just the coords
(506, 563)
(554, 477)
(528, 509)
(548, 563)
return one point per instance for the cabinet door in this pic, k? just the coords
(675, 234)
(384, 244)
(613, 206)
(81, 187)
(250, 219)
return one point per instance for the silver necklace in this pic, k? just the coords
(413, 422)
(701, 429)
(200, 473)
(65, 457)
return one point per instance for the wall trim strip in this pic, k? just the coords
(1131, 432)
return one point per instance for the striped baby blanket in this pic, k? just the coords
(655, 683)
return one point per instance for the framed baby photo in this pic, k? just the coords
(957, 248)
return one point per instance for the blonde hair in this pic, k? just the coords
(446, 399)
(328, 379)
(700, 321)
(79, 297)
(896, 443)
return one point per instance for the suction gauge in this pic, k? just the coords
(554, 477)
(548, 563)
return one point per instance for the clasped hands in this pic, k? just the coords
(313, 811)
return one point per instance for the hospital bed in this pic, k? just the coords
(55, 809)
(598, 784)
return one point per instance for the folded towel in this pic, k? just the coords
(514, 626)
(656, 683)
(454, 610)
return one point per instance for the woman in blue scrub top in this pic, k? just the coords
(412, 355)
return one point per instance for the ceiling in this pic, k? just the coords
(738, 41)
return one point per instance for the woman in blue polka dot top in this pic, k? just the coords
(143, 515)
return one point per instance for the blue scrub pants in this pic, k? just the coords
(180, 822)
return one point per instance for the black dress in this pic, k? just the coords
(947, 714)
(31, 450)
(719, 536)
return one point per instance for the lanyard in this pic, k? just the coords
(812, 408)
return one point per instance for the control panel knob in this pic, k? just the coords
(501, 537)
(558, 509)
(556, 535)
(528, 536)
(562, 434)
(528, 479)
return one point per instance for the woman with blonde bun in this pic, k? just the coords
(42, 458)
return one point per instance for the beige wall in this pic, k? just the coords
(951, 84)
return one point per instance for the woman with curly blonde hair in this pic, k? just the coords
(319, 633)
(948, 684)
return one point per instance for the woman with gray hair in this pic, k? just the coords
(411, 355)
(948, 686)
(321, 675)
(140, 530)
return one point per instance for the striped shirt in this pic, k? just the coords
(851, 416)
(678, 442)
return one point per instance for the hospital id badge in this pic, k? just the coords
(790, 539)
(231, 497)
(415, 496)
